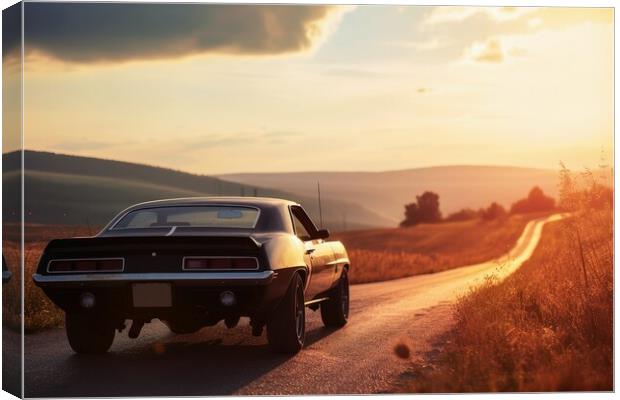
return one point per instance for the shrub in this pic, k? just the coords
(425, 209)
(536, 201)
(494, 211)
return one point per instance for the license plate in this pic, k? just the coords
(152, 295)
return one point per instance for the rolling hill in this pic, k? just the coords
(386, 192)
(72, 190)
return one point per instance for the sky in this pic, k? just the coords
(215, 89)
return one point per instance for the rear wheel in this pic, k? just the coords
(335, 311)
(89, 333)
(286, 330)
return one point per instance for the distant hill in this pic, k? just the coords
(72, 190)
(387, 192)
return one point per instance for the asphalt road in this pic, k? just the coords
(358, 358)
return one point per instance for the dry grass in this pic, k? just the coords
(39, 311)
(11, 292)
(384, 254)
(548, 327)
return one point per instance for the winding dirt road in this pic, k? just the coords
(215, 361)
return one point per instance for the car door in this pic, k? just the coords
(319, 254)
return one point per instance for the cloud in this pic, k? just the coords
(115, 32)
(447, 14)
(488, 52)
(441, 15)
(425, 45)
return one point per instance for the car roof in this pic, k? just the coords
(259, 202)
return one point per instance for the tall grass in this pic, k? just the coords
(39, 311)
(548, 327)
(11, 291)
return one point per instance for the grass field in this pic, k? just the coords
(384, 254)
(549, 327)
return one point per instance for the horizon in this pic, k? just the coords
(317, 88)
(292, 171)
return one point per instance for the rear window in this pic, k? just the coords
(190, 216)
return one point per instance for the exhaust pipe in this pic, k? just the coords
(87, 300)
(228, 298)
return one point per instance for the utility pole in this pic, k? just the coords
(318, 188)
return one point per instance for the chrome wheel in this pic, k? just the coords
(344, 295)
(286, 329)
(335, 311)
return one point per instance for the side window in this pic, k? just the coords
(303, 225)
(300, 230)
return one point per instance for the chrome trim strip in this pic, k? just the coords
(209, 269)
(85, 259)
(154, 277)
(322, 299)
(338, 261)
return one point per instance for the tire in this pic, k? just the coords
(89, 334)
(335, 311)
(286, 330)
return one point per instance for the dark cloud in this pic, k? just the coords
(109, 32)
(11, 30)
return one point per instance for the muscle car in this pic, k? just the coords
(194, 262)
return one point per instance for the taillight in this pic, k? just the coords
(219, 263)
(86, 265)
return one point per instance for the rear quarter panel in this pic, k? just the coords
(284, 251)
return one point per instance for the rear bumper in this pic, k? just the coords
(178, 279)
(192, 292)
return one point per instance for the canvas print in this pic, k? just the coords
(284, 199)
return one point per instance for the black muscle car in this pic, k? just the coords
(194, 262)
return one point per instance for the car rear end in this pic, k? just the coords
(157, 276)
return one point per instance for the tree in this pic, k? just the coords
(534, 202)
(493, 211)
(425, 209)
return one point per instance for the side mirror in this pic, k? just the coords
(322, 234)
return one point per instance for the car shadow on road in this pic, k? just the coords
(315, 335)
(177, 366)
